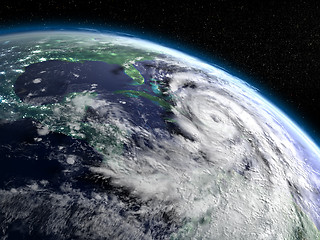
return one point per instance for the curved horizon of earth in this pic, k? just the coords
(106, 136)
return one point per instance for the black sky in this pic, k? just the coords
(275, 45)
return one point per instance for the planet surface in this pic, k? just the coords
(105, 136)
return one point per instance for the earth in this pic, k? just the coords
(107, 136)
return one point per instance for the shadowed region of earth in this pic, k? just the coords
(27, 156)
(43, 164)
